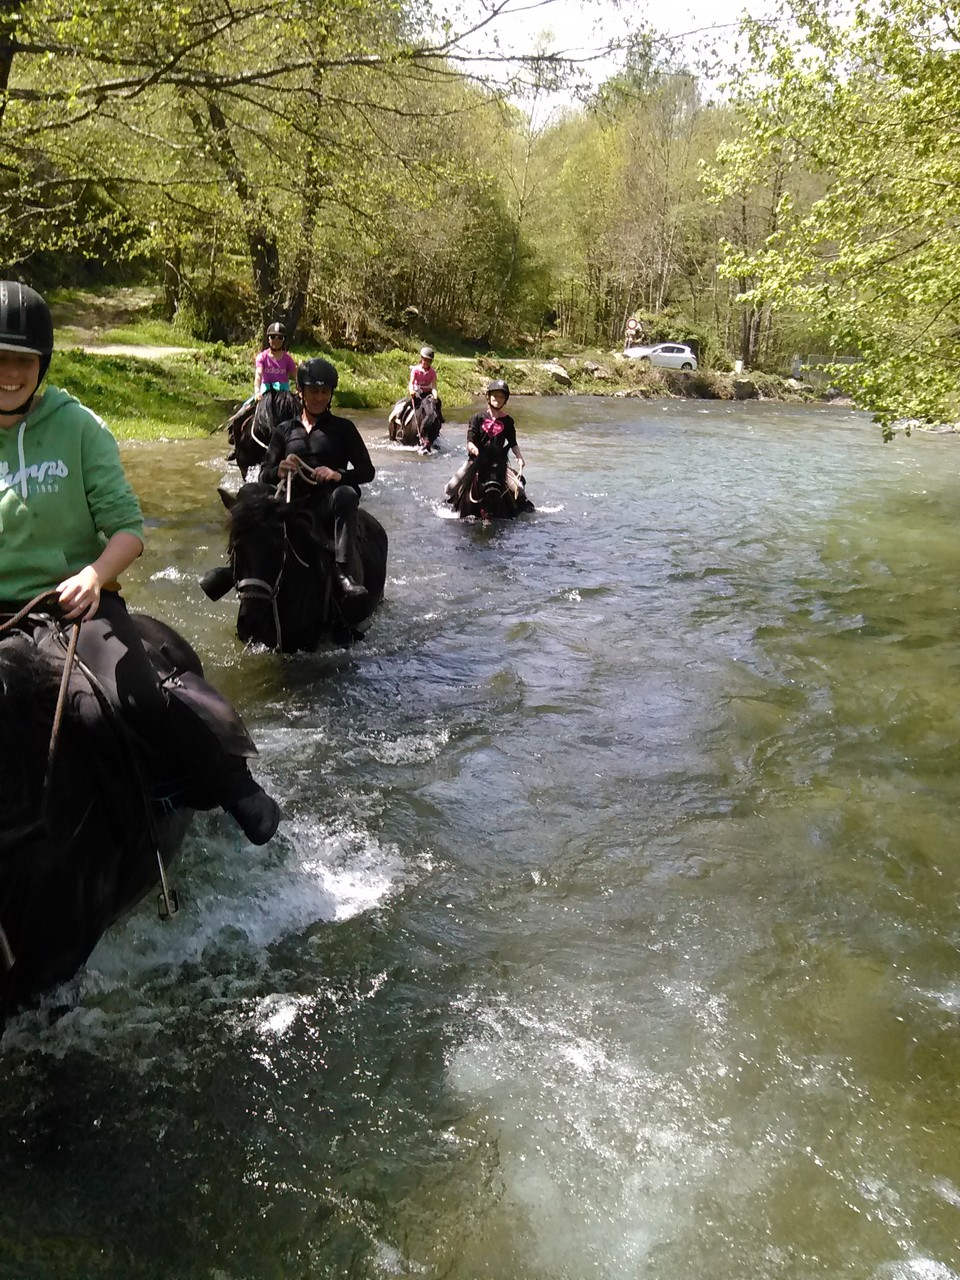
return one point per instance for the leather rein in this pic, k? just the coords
(69, 659)
(11, 624)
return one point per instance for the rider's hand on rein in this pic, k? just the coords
(80, 594)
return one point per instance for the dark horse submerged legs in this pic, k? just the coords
(479, 489)
(284, 567)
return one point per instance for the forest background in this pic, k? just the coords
(357, 169)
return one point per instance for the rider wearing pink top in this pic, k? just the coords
(423, 376)
(274, 364)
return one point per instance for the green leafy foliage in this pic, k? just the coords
(868, 101)
(330, 164)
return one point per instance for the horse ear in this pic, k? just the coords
(227, 498)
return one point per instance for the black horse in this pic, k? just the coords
(250, 428)
(282, 565)
(416, 421)
(465, 492)
(86, 822)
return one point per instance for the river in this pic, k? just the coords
(612, 929)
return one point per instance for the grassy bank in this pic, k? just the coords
(186, 395)
(174, 397)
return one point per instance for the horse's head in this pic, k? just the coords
(274, 557)
(428, 412)
(251, 428)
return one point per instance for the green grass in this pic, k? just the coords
(176, 397)
(183, 396)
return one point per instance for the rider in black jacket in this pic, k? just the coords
(327, 460)
(490, 436)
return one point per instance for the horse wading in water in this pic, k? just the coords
(485, 486)
(90, 815)
(80, 838)
(250, 428)
(284, 569)
(416, 420)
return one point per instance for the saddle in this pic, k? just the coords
(179, 675)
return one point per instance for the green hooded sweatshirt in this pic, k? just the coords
(63, 494)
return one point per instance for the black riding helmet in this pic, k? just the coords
(498, 385)
(25, 325)
(276, 330)
(317, 373)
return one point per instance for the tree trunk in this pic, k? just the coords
(10, 11)
(262, 245)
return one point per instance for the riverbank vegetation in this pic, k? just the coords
(346, 167)
(191, 393)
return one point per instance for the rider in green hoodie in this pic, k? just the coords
(70, 523)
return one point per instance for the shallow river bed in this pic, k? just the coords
(612, 929)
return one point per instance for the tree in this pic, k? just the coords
(633, 230)
(869, 100)
(208, 132)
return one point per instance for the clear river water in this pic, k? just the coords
(612, 929)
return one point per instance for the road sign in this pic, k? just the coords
(631, 325)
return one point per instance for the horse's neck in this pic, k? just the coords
(307, 582)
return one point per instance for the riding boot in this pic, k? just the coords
(257, 813)
(344, 502)
(350, 589)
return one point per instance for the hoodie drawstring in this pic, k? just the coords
(23, 461)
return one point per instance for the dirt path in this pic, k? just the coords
(128, 349)
(84, 318)
(88, 310)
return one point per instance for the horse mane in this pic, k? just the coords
(257, 506)
(254, 507)
(28, 677)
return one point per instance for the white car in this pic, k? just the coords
(668, 355)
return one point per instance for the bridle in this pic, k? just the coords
(263, 591)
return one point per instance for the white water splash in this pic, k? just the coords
(595, 1150)
(915, 1269)
(172, 574)
(408, 748)
(236, 902)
